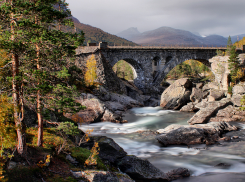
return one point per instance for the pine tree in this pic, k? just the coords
(233, 64)
(229, 46)
(39, 53)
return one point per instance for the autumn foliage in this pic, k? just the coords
(90, 74)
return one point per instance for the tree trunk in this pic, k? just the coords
(21, 146)
(39, 107)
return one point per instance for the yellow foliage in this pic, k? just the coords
(42, 164)
(92, 158)
(90, 74)
(240, 43)
(7, 130)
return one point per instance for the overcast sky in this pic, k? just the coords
(221, 17)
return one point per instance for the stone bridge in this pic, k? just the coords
(150, 64)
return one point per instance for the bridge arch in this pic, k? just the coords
(172, 63)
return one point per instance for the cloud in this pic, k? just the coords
(223, 17)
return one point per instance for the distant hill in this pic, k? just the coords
(97, 35)
(171, 36)
(235, 37)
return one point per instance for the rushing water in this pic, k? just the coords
(225, 158)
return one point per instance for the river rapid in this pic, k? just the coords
(220, 162)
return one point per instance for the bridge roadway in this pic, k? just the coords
(150, 64)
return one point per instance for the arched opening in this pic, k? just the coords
(193, 69)
(125, 70)
(155, 66)
(168, 59)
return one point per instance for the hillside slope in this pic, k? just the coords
(97, 35)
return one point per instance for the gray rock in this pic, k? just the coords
(177, 95)
(190, 107)
(109, 150)
(71, 160)
(178, 173)
(124, 100)
(94, 108)
(229, 114)
(140, 169)
(194, 134)
(102, 176)
(215, 95)
(238, 90)
(211, 85)
(115, 106)
(199, 85)
(236, 100)
(197, 95)
(208, 110)
(111, 116)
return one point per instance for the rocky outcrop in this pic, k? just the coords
(194, 134)
(190, 107)
(229, 114)
(215, 95)
(197, 95)
(140, 169)
(110, 109)
(208, 110)
(102, 176)
(177, 95)
(109, 150)
(238, 89)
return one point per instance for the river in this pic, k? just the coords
(220, 162)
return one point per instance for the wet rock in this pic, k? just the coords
(208, 110)
(140, 169)
(176, 95)
(178, 173)
(111, 116)
(109, 149)
(193, 134)
(102, 176)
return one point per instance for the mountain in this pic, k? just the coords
(96, 35)
(171, 36)
(235, 37)
(129, 33)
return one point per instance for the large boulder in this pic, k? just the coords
(215, 95)
(238, 90)
(193, 134)
(109, 150)
(177, 95)
(197, 94)
(208, 110)
(236, 100)
(94, 108)
(140, 169)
